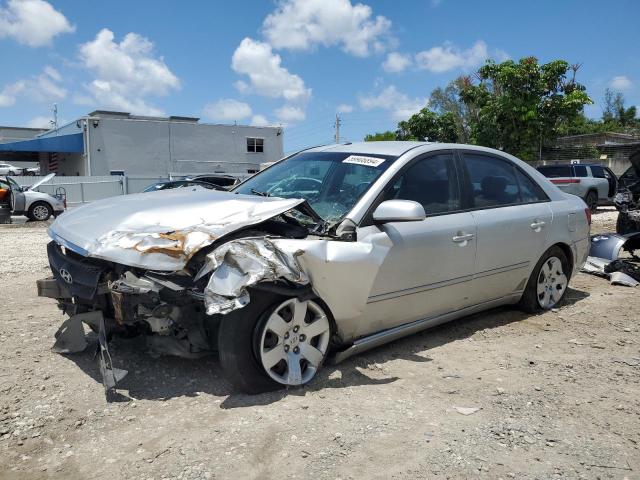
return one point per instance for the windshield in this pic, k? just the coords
(330, 182)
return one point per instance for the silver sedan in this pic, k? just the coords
(331, 251)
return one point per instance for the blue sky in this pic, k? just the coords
(292, 62)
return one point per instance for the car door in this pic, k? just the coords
(513, 216)
(599, 180)
(429, 267)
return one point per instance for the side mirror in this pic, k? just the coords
(398, 211)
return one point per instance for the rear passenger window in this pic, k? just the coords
(432, 182)
(598, 172)
(496, 182)
(580, 171)
(530, 192)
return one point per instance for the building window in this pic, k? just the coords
(255, 145)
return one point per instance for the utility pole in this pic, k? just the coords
(55, 117)
(337, 127)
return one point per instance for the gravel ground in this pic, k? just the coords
(496, 395)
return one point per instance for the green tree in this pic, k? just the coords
(447, 100)
(380, 136)
(428, 125)
(517, 107)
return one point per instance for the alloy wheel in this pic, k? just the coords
(40, 212)
(552, 282)
(294, 341)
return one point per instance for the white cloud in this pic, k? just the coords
(448, 57)
(303, 24)
(39, 122)
(44, 88)
(621, 82)
(344, 108)
(290, 114)
(126, 72)
(32, 22)
(227, 110)
(396, 62)
(400, 105)
(259, 121)
(266, 75)
(9, 93)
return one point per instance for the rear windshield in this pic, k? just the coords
(554, 171)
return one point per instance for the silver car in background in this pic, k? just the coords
(364, 243)
(27, 201)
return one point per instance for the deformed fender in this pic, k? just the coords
(341, 273)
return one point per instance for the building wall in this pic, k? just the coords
(171, 147)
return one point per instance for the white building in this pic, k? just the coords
(118, 143)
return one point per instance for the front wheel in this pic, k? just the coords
(40, 211)
(273, 342)
(548, 282)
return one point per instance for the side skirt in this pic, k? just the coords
(386, 336)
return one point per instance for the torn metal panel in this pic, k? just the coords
(70, 337)
(341, 273)
(239, 264)
(161, 230)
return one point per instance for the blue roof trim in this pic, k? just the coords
(73, 143)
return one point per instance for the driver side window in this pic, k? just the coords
(432, 182)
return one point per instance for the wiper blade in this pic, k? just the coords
(261, 194)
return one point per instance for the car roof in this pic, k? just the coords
(395, 148)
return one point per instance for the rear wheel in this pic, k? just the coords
(40, 211)
(592, 200)
(273, 342)
(548, 282)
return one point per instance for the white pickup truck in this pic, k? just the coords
(595, 184)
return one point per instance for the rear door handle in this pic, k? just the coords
(462, 237)
(537, 225)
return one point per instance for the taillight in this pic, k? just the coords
(559, 181)
(587, 212)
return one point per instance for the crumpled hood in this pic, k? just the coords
(161, 230)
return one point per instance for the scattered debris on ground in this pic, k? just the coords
(555, 395)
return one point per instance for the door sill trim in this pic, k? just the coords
(391, 334)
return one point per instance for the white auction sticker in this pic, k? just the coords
(360, 160)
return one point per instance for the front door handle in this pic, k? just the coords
(462, 238)
(537, 225)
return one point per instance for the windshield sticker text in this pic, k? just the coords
(360, 160)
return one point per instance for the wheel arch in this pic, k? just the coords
(566, 249)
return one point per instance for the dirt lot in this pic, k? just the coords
(558, 396)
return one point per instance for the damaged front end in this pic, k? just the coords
(178, 311)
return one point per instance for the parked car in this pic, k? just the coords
(8, 169)
(595, 184)
(630, 176)
(179, 184)
(627, 200)
(224, 181)
(37, 206)
(389, 239)
(32, 171)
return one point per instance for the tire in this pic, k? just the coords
(11, 172)
(246, 342)
(592, 200)
(531, 302)
(624, 225)
(40, 212)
